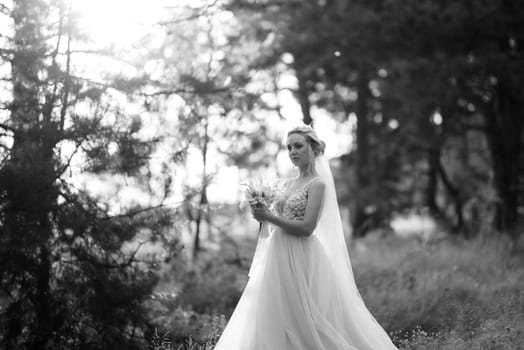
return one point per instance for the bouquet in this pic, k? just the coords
(263, 194)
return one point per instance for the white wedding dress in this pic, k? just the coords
(301, 293)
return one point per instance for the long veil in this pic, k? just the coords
(301, 294)
(330, 233)
(329, 228)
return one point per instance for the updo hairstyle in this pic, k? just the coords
(317, 145)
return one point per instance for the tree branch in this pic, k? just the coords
(453, 190)
(203, 11)
(169, 92)
(6, 37)
(65, 97)
(7, 127)
(5, 10)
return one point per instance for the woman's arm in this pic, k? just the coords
(299, 228)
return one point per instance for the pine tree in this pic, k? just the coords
(67, 279)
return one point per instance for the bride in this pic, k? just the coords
(301, 293)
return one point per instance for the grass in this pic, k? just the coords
(450, 294)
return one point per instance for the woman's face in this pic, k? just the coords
(297, 148)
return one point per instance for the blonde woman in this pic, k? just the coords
(301, 293)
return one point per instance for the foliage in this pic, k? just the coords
(442, 293)
(210, 85)
(188, 295)
(419, 92)
(448, 294)
(434, 91)
(163, 342)
(73, 270)
(194, 297)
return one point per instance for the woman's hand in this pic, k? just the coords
(261, 213)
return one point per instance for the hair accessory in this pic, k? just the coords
(302, 129)
(309, 132)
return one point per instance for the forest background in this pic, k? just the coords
(127, 127)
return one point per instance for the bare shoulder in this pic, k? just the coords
(317, 185)
(315, 193)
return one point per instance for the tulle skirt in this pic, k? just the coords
(293, 301)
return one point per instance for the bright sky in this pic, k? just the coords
(123, 22)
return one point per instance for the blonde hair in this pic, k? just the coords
(316, 145)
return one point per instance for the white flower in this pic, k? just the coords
(263, 194)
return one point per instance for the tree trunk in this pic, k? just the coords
(362, 155)
(30, 171)
(203, 204)
(433, 156)
(454, 192)
(505, 126)
(303, 99)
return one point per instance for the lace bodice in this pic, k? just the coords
(293, 205)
